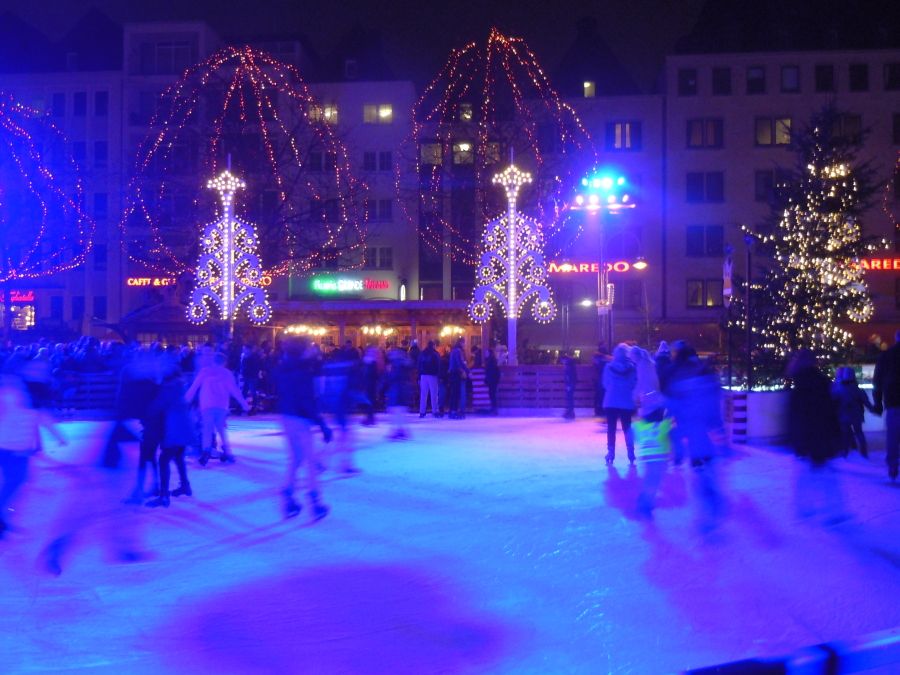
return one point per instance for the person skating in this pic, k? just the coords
(398, 392)
(216, 387)
(492, 377)
(852, 403)
(299, 412)
(886, 392)
(651, 431)
(570, 379)
(177, 433)
(458, 373)
(619, 382)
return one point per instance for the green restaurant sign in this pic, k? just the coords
(337, 284)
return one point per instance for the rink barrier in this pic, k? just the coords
(543, 386)
(875, 650)
(736, 416)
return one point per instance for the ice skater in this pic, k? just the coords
(299, 412)
(570, 379)
(177, 434)
(651, 431)
(886, 392)
(619, 382)
(429, 367)
(20, 427)
(398, 392)
(852, 403)
(216, 387)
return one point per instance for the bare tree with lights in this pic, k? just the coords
(815, 284)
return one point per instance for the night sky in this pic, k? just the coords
(418, 34)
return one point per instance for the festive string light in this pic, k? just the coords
(229, 275)
(244, 104)
(44, 229)
(512, 271)
(484, 101)
(304, 329)
(816, 282)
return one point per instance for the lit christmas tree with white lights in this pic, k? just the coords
(512, 271)
(816, 282)
(229, 273)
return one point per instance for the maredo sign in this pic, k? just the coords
(880, 264)
(591, 268)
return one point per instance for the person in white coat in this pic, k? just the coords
(216, 387)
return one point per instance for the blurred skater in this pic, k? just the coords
(20, 427)
(398, 392)
(216, 387)
(299, 412)
(651, 431)
(570, 379)
(814, 432)
(886, 383)
(492, 377)
(177, 434)
(852, 403)
(694, 399)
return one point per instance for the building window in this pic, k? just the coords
(385, 258)
(165, 58)
(824, 77)
(385, 210)
(385, 161)
(896, 129)
(756, 80)
(848, 127)
(56, 307)
(465, 112)
(370, 258)
(58, 105)
(431, 154)
(100, 307)
(705, 187)
(859, 77)
(463, 153)
(590, 89)
(772, 131)
(628, 294)
(492, 152)
(325, 114)
(721, 81)
(892, 76)
(687, 81)
(623, 135)
(79, 104)
(101, 154)
(101, 104)
(369, 161)
(101, 206)
(704, 293)
(99, 251)
(790, 79)
(703, 241)
(704, 133)
(79, 151)
(77, 307)
(382, 113)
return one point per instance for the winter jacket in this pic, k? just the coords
(429, 362)
(216, 386)
(296, 387)
(813, 428)
(170, 404)
(694, 398)
(851, 402)
(619, 381)
(458, 361)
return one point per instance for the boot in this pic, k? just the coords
(204, 457)
(610, 456)
(291, 508)
(319, 510)
(183, 489)
(162, 500)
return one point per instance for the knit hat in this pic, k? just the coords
(663, 348)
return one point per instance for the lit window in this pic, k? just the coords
(590, 89)
(704, 293)
(382, 113)
(704, 133)
(431, 154)
(492, 152)
(773, 131)
(623, 135)
(465, 112)
(463, 153)
(327, 113)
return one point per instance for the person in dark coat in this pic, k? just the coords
(852, 403)
(886, 392)
(814, 433)
(398, 391)
(177, 433)
(458, 373)
(599, 361)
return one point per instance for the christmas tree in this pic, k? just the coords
(512, 270)
(229, 274)
(815, 284)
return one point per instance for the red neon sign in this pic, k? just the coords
(880, 264)
(592, 268)
(18, 296)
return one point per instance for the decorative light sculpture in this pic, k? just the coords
(488, 99)
(512, 271)
(229, 272)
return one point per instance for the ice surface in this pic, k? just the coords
(499, 545)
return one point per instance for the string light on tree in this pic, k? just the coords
(488, 100)
(816, 282)
(244, 103)
(229, 273)
(512, 271)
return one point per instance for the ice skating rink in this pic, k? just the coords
(498, 545)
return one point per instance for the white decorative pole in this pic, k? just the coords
(512, 265)
(229, 271)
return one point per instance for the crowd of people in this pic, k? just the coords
(668, 407)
